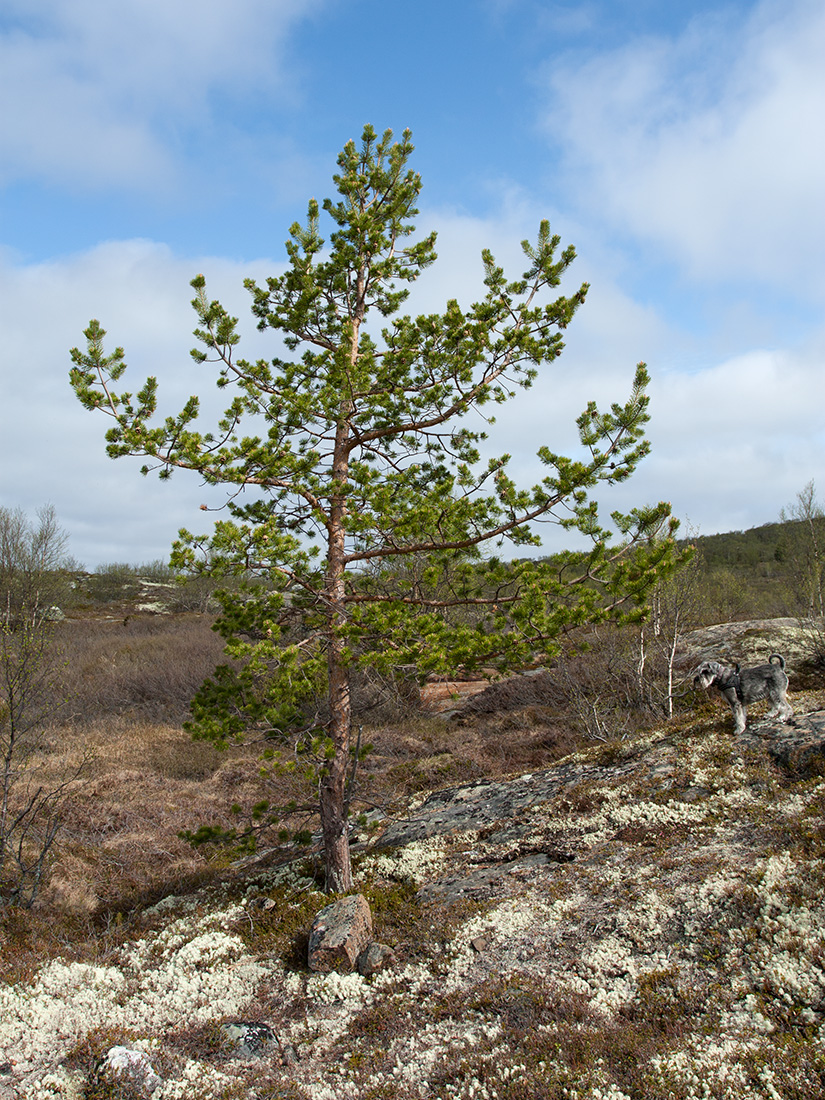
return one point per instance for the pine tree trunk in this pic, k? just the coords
(334, 824)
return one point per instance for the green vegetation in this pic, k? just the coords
(366, 441)
(771, 570)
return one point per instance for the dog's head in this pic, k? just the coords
(708, 673)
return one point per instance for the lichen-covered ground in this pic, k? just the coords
(644, 920)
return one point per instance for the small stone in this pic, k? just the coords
(374, 958)
(252, 1039)
(339, 934)
(695, 794)
(132, 1066)
(289, 1055)
(480, 943)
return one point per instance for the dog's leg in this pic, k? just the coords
(740, 717)
(781, 708)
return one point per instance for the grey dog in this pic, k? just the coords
(744, 686)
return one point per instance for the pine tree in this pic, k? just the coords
(357, 490)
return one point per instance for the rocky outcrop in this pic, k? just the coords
(750, 643)
(502, 815)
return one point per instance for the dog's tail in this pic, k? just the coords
(779, 658)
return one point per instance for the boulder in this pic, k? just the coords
(797, 747)
(339, 934)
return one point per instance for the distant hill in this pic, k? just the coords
(757, 546)
(770, 570)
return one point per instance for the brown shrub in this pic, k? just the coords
(149, 664)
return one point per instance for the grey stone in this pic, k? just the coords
(251, 1039)
(490, 880)
(374, 958)
(127, 1066)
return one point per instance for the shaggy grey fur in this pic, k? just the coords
(744, 686)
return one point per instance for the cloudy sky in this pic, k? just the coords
(678, 146)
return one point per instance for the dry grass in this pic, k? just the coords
(144, 664)
(127, 680)
(145, 784)
(118, 703)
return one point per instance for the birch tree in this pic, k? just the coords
(804, 549)
(33, 803)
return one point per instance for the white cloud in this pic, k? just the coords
(734, 435)
(96, 93)
(734, 438)
(140, 292)
(708, 145)
(734, 441)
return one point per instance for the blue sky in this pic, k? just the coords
(679, 147)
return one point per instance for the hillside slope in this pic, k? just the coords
(640, 920)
